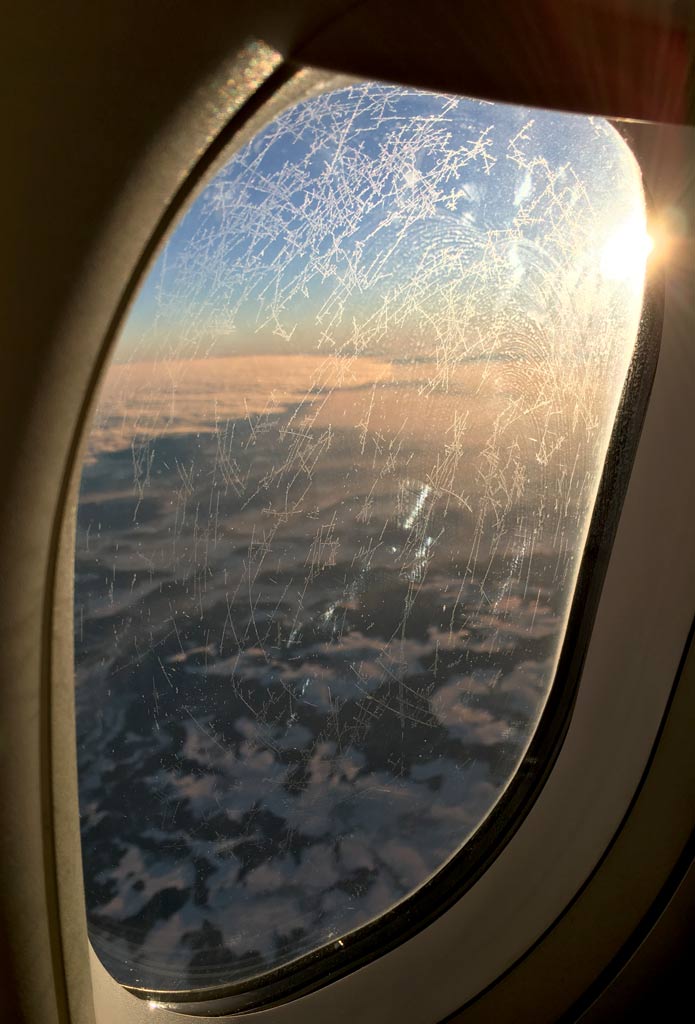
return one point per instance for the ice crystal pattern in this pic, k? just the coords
(331, 515)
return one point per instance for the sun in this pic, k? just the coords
(625, 253)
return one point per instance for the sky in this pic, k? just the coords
(376, 218)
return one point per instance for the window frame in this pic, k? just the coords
(286, 87)
(424, 908)
(60, 961)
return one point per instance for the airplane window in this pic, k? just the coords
(333, 503)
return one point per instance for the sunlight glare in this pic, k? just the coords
(624, 255)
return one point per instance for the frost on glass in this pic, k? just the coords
(331, 514)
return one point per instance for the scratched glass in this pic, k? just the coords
(333, 503)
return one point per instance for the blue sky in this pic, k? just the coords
(357, 216)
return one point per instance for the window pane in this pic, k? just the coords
(331, 514)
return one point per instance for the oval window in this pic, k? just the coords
(332, 510)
